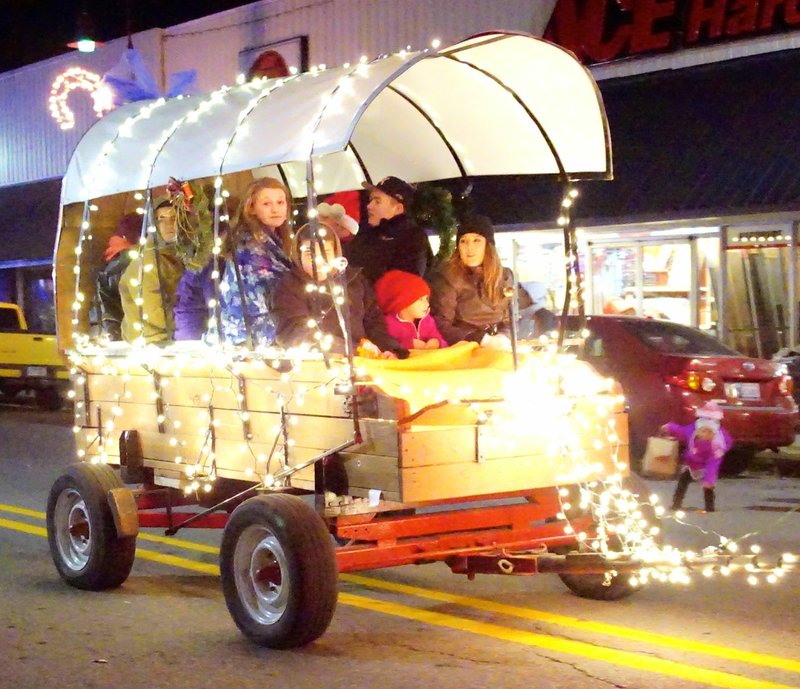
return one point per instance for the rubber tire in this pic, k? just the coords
(108, 558)
(593, 585)
(308, 587)
(737, 461)
(48, 399)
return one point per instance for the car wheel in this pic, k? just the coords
(278, 571)
(83, 539)
(737, 461)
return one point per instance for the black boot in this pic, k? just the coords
(680, 490)
(708, 495)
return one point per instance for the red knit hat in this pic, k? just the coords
(397, 290)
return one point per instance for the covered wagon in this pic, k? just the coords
(315, 464)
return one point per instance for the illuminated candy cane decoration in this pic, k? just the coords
(66, 83)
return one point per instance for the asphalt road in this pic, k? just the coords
(168, 626)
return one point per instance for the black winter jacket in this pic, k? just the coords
(394, 244)
(108, 294)
(292, 306)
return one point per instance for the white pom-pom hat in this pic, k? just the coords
(710, 410)
(337, 214)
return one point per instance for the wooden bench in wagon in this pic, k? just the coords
(292, 453)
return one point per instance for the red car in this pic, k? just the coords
(668, 370)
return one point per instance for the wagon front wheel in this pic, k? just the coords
(278, 571)
(617, 586)
(84, 544)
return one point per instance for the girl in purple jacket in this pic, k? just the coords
(404, 299)
(704, 444)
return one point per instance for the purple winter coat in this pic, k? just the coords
(405, 332)
(192, 295)
(701, 457)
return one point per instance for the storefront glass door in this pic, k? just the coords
(757, 299)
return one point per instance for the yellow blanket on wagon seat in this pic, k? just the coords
(464, 371)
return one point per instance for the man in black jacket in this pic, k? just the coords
(393, 240)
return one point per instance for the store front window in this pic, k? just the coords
(666, 282)
(614, 272)
(665, 278)
(653, 279)
(8, 289)
(674, 276)
(538, 258)
(31, 287)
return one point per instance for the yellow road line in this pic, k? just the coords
(22, 510)
(587, 650)
(152, 555)
(646, 663)
(637, 635)
(179, 543)
(176, 561)
(25, 528)
(169, 540)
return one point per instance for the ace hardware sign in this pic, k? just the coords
(605, 30)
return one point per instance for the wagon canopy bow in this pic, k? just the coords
(496, 103)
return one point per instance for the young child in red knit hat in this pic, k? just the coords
(404, 299)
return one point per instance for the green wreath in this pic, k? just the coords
(433, 208)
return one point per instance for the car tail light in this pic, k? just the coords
(786, 385)
(692, 380)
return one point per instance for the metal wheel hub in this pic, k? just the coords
(73, 531)
(260, 568)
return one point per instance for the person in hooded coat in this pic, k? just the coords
(147, 287)
(704, 444)
(302, 304)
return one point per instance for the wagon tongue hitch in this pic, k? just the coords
(529, 563)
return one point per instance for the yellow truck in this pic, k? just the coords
(30, 362)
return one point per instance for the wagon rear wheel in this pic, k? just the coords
(609, 588)
(598, 587)
(84, 544)
(278, 571)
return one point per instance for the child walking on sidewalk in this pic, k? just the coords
(704, 444)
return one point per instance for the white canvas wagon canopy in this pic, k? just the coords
(496, 103)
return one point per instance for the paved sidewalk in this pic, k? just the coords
(785, 462)
(759, 502)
